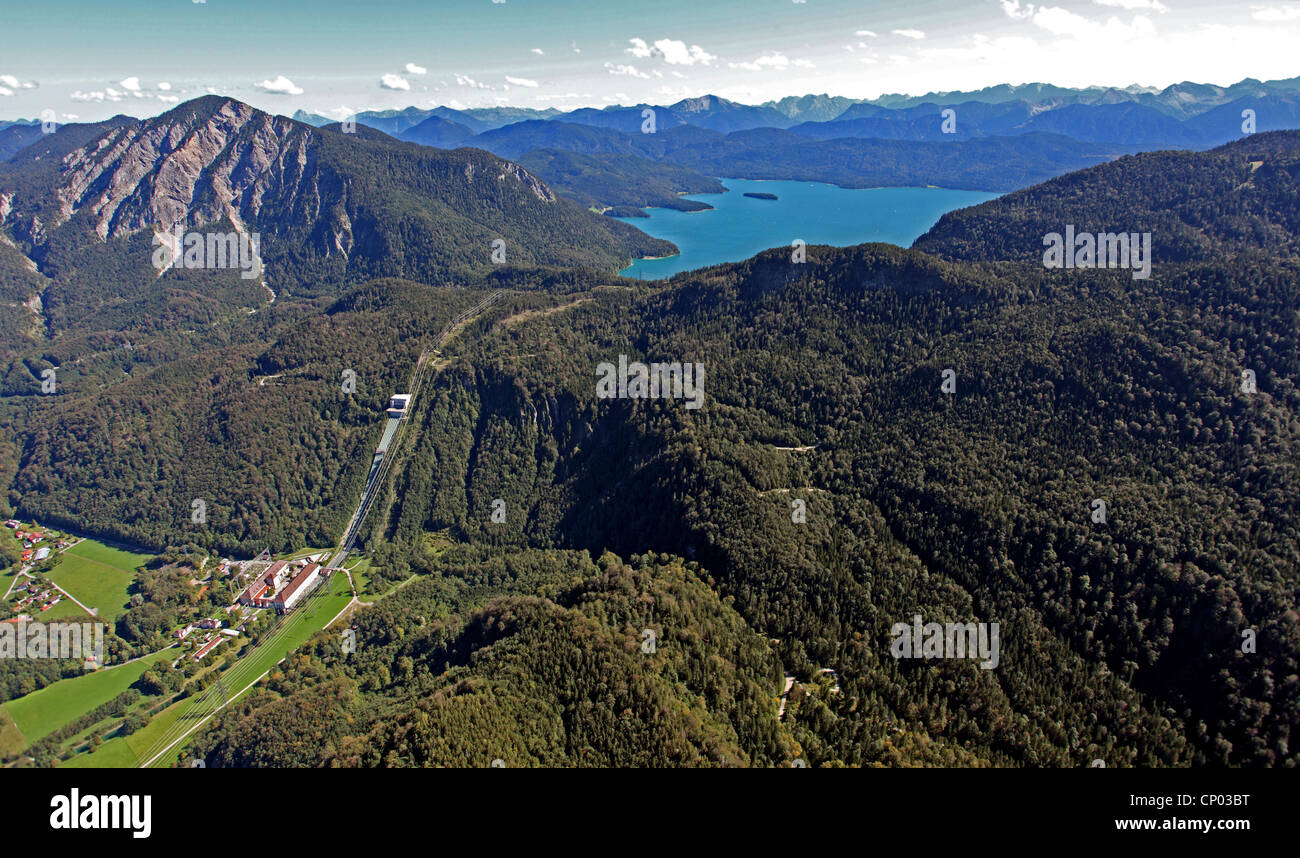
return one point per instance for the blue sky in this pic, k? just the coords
(90, 60)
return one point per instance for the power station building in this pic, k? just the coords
(399, 405)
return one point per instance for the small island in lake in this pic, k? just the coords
(760, 196)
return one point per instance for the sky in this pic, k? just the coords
(90, 60)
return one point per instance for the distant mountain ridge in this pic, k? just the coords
(1031, 131)
(1181, 101)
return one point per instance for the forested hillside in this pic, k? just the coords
(536, 658)
(1120, 639)
(1239, 198)
(330, 209)
(623, 183)
(951, 431)
(263, 433)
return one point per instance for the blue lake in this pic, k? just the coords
(738, 226)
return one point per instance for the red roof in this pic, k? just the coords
(297, 583)
(207, 647)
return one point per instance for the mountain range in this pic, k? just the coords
(888, 433)
(1180, 101)
(84, 207)
(995, 139)
(1029, 133)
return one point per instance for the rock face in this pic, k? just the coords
(213, 160)
(185, 170)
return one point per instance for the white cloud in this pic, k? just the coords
(1013, 9)
(412, 68)
(909, 34)
(466, 80)
(568, 96)
(521, 81)
(1276, 13)
(676, 53)
(773, 60)
(9, 83)
(1153, 5)
(867, 33)
(672, 51)
(280, 86)
(539, 52)
(394, 81)
(1063, 22)
(130, 88)
(626, 70)
(340, 113)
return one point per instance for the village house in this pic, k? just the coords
(208, 647)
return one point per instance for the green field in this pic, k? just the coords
(113, 754)
(41, 712)
(98, 576)
(63, 610)
(360, 571)
(173, 722)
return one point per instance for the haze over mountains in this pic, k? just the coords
(1179, 101)
(1017, 136)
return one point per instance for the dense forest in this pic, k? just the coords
(622, 183)
(531, 658)
(886, 433)
(1237, 199)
